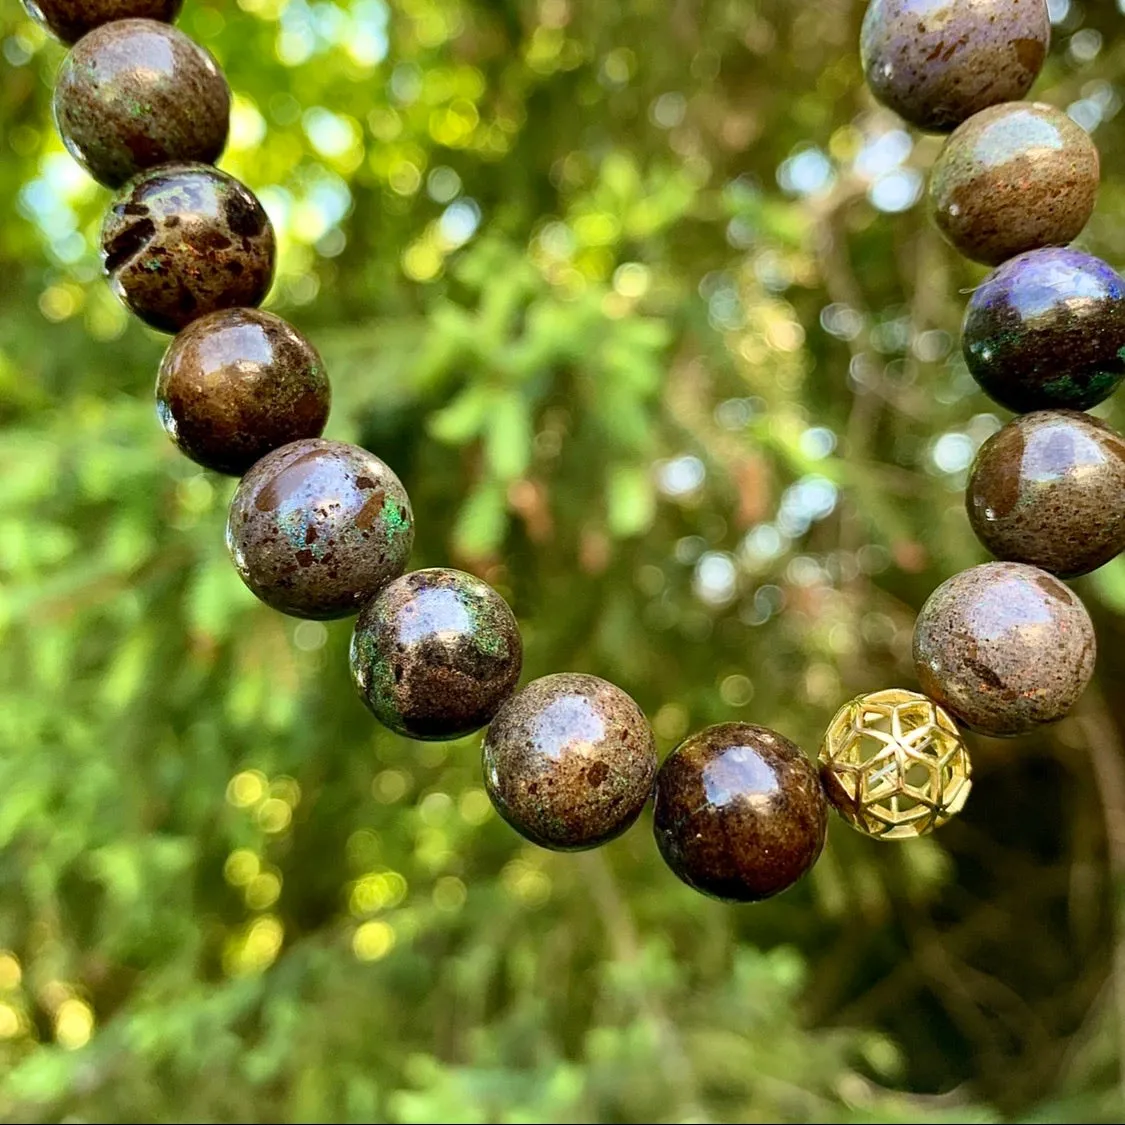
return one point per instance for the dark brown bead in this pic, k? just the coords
(436, 654)
(136, 93)
(184, 240)
(739, 812)
(1013, 178)
(317, 527)
(569, 761)
(1049, 489)
(1047, 329)
(937, 63)
(71, 19)
(1004, 647)
(237, 384)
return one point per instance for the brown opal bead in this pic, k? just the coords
(317, 527)
(436, 654)
(184, 240)
(1004, 647)
(739, 813)
(937, 63)
(71, 19)
(1014, 177)
(1049, 489)
(569, 761)
(136, 93)
(238, 383)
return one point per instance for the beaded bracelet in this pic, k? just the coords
(324, 529)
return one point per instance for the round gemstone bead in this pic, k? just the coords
(71, 19)
(894, 765)
(436, 654)
(1049, 489)
(1047, 329)
(1013, 178)
(569, 761)
(238, 383)
(937, 63)
(136, 93)
(317, 527)
(739, 813)
(184, 240)
(1004, 647)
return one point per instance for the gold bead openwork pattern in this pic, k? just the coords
(895, 765)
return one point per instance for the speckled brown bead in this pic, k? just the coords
(1004, 647)
(436, 654)
(136, 93)
(317, 527)
(739, 812)
(1049, 489)
(1013, 178)
(184, 240)
(71, 19)
(569, 761)
(937, 63)
(238, 383)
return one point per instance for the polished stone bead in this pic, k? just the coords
(894, 765)
(436, 654)
(238, 383)
(136, 93)
(739, 813)
(317, 528)
(1047, 329)
(184, 240)
(71, 19)
(1049, 489)
(1004, 647)
(569, 761)
(1014, 177)
(937, 63)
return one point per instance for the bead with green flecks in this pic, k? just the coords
(435, 654)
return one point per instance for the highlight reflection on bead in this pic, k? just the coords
(894, 765)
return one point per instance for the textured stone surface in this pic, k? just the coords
(937, 62)
(71, 19)
(317, 528)
(436, 654)
(136, 93)
(1047, 329)
(739, 812)
(1049, 489)
(569, 761)
(238, 383)
(1014, 177)
(1004, 647)
(184, 240)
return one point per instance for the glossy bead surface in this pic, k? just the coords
(1049, 489)
(317, 527)
(136, 93)
(569, 761)
(1047, 329)
(1004, 647)
(936, 63)
(184, 240)
(894, 765)
(1013, 178)
(238, 383)
(436, 654)
(739, 812)
(71, 19)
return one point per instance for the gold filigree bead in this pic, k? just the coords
(894, 765)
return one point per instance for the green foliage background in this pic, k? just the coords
(609, 285)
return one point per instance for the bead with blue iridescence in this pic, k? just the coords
(1047, 330)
